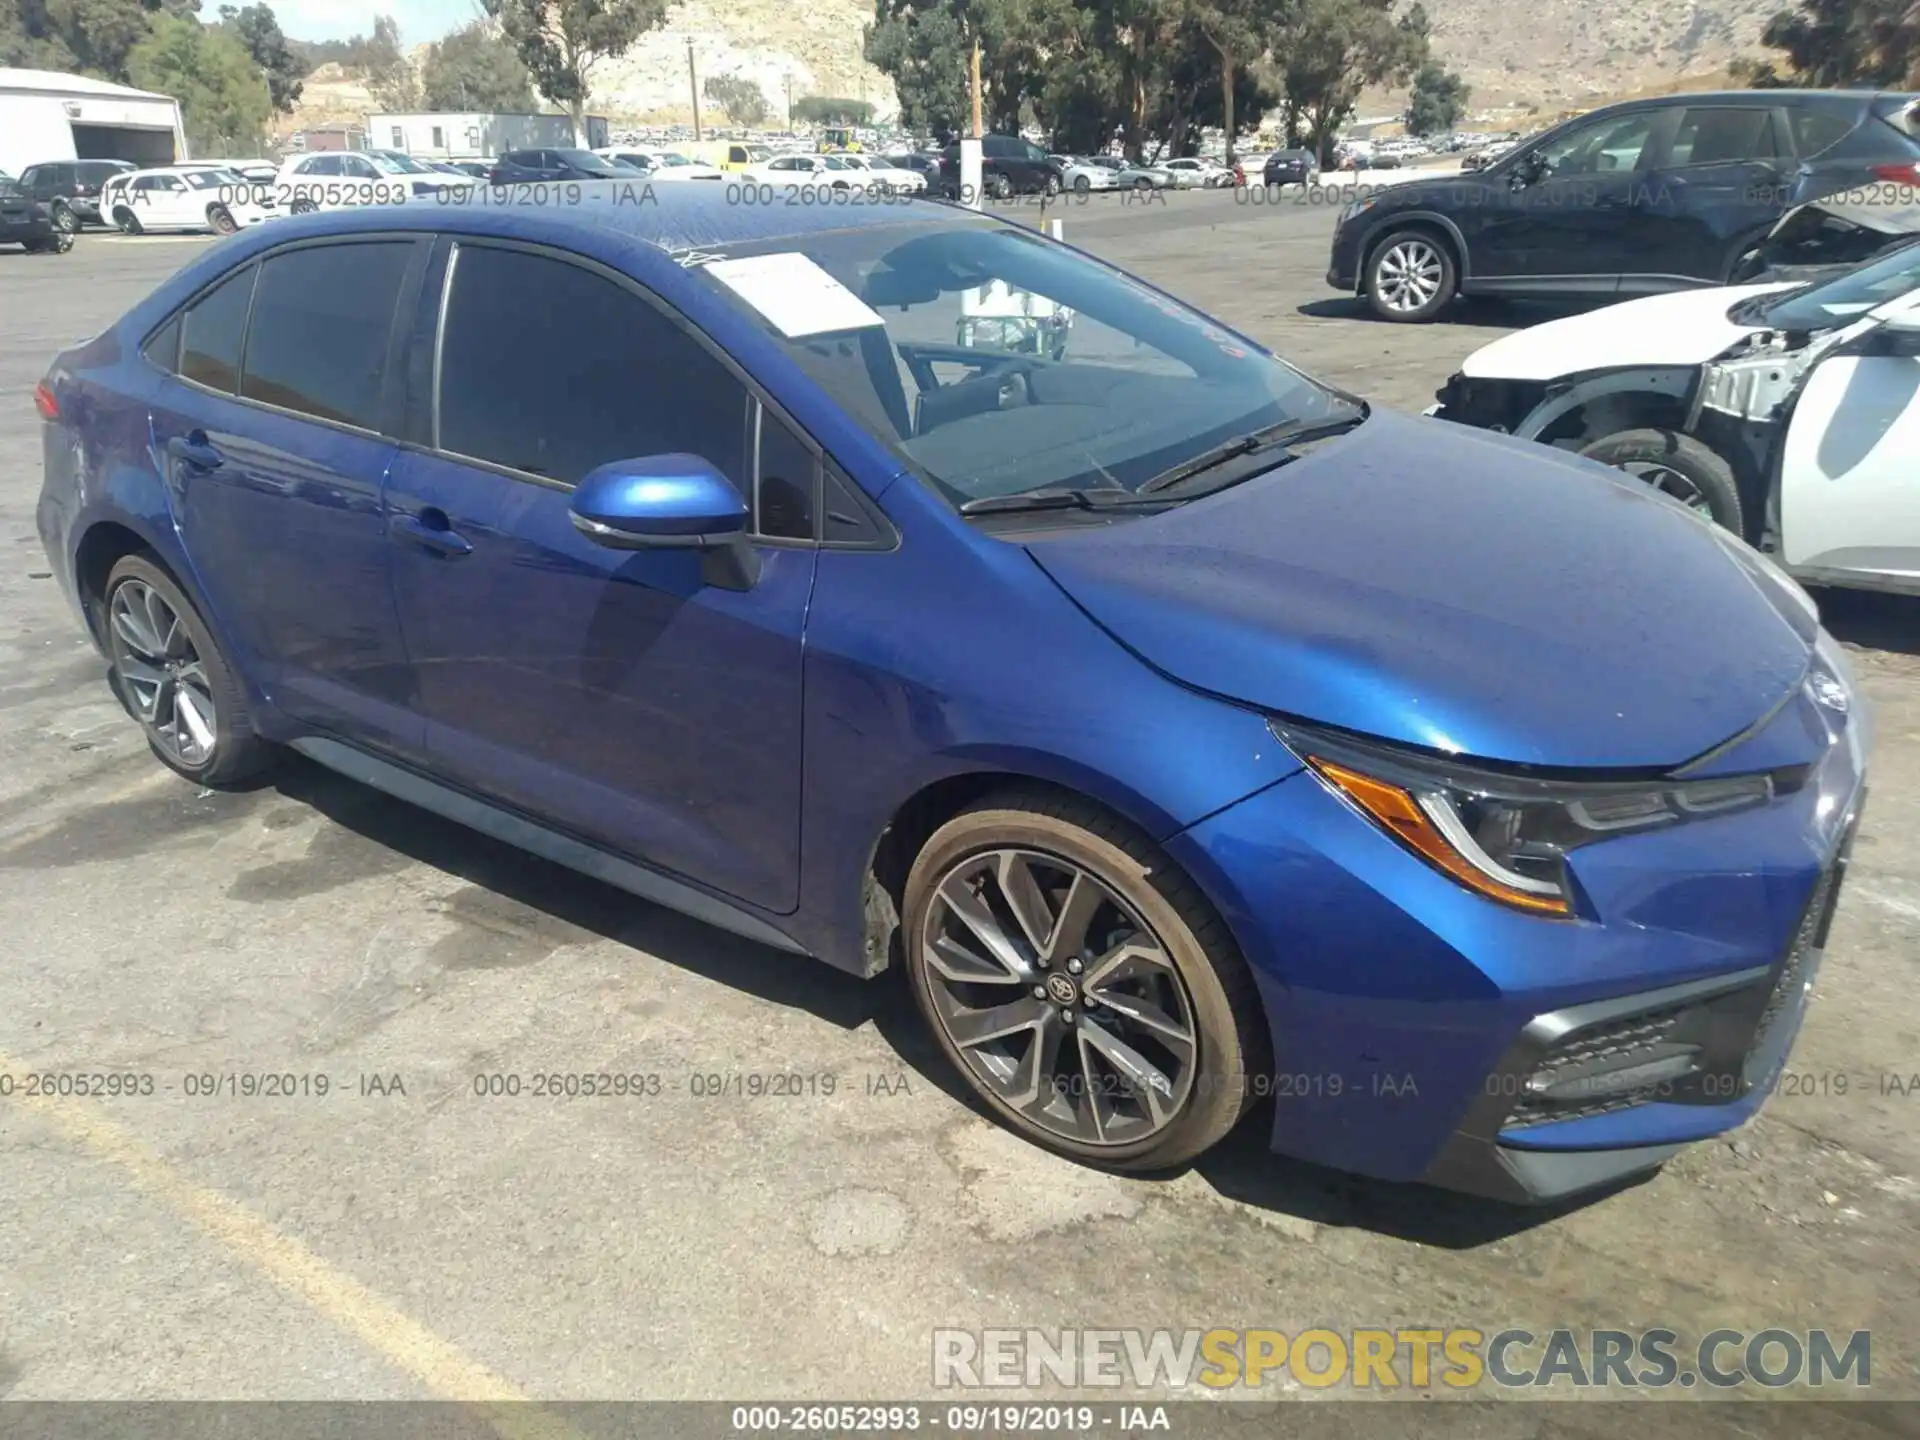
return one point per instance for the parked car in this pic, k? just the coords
(534, 167)
(1817, 240)
(260, 171)
(1351, 743)
(1082, 175)
(351, 179)
(474, 169)
(1197, 172)
(70, 189)
(661, 165)
(185, 197)
(1668, 193)
(1291, 167)
(816, 171)
(894, 180)
(25, 222)
(928, 166)
(1787, 413)
(1008, 166)
(1146, 175)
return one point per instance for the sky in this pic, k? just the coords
(420, 20)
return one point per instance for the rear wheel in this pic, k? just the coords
(1677, 465)
(1080, 982)
(64, 219)
(128, 222)
(173, 680)
(1053, 184)
(1000, 187)
(221, 219)
(1081, 184)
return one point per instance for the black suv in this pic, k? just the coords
(27, 223)
(1632, 199)
(522, 167)
(1008, 166)
(70, 189)
(1290, 167)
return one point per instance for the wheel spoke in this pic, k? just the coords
(976, 1027)
(136, 671)
(1153, 1087)
(131, 626)
(1171, 1031)
(970, 908)
(1024, 897)
(195, 712)
(162, 624)
(1095, 1107)
(1069, 935)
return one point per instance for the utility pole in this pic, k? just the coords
(693, 84)
(789, 99)
(974, 86)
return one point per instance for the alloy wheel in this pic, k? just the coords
(1408, 274)
(1671, 482)
(1059, 998)
(162, 679)
(65, 221)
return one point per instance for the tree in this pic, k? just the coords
(475, 69)
(1439, 99)
(561, 41)
(1334, 49)
(832, 110)
(1238, 32)
(1874, 43)
(224, 101)
(924, 51)
(743, 99)
(256, 28)
(390, 74)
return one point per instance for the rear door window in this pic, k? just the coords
(321, 330)
(1816, 129)
(1721, 135)
(214, 332)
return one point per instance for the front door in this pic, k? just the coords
(612, 693)
(273, 438)
(1849, 478)
(1560, 218)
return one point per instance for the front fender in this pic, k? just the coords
(1566, 396)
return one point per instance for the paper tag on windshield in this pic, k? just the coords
(796, 295)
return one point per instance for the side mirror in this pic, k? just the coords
(670, 502)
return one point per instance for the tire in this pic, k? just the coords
(221, 219)
(1000, 187)
(1143, 183)
(1679, 466)
(1410, 277)
(1151, 945)
(155, 665)
(64, 219)
(1053, 185)
(1081, 185)
(128, 222)
(303, 205)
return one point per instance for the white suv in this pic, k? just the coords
(344, 179)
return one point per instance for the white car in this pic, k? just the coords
(1788, 413)
(184, 197)
(1082, 175)
(892, 178)
(345, 179)
(823, 172)
(1195, 174)
(661, 164)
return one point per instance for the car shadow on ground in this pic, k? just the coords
(1871, 619)
(1241, 1167)
(1473, 312)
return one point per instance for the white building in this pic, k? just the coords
(48, 116)
(449, 136)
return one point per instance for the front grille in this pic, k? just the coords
(1572, 1081)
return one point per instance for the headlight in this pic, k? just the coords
(1355, 207)
(1507, 836)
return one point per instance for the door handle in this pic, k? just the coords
(195, 451)
(430, 528)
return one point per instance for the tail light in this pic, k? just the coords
(1906, 173)
(44, 401)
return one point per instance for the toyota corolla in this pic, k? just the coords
(1191, 734)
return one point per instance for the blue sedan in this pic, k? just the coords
(1200, 742)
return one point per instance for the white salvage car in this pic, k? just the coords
(1788, 413)
(183, 197)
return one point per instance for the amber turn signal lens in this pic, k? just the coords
(1400, 815)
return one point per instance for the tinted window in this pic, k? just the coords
(844, 519)
(216, 325)
(321, 321)
(1720, 136)
(1816, 130)
(1602, 146)
(551, 369)
(164, 348)
(788, 483)
(95, 172)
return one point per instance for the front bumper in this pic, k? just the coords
(1421, 1033)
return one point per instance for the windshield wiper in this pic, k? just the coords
(1292, 432)
(1056, 499)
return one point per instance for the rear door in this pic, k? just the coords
(1714, 193)
(274, 433)
(1850, 472)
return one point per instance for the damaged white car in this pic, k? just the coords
(1789, 413)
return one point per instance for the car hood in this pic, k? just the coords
(1687, 327)
(1452, 589)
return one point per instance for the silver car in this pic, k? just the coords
(1144, 176)
(1080, 174)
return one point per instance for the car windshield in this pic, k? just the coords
(582, 160)
(211, 179)
(993, 362)
(1845, 297)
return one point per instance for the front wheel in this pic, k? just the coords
(221, 219)
(1677, 465)
(1410, 277)
(1053, 185)
(1081, 185)
(64, 218)
(1000, 187)
(128, 222)
(173, 680)
(1080, 983)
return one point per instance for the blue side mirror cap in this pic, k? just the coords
(676, 501)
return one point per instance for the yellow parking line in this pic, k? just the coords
(437, 1363)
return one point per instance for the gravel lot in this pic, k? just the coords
(433, 1243)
